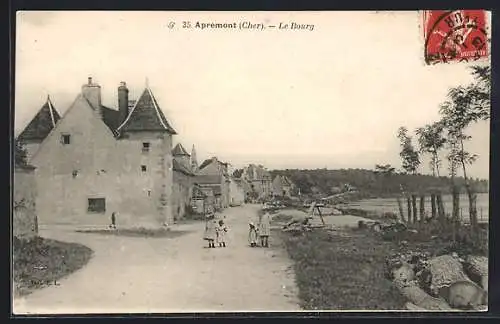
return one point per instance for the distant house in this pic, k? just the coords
(199, 201)
(236, 192)
(259, 179)
(282, 186)
(214, 174)
(94, 160)
(183, 181)
(24, 222)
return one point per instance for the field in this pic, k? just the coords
(382, 205)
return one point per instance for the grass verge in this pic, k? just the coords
(342, 272)
(136, 232)
(41, 262)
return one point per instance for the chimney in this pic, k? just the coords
(92, 92)
(123, 103)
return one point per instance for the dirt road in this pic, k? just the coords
(143, 275)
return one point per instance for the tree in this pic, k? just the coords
(466, 105)
(431, 141)
(409, 156)
(20, 153)
(237, 173)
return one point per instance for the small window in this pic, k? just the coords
(144, 168)
(65, 139)
(96, 205)
(145, 146)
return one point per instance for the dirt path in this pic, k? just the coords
(140, 275)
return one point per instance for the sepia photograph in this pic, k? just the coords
(250, 161)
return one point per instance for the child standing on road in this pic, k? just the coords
(221, 234)
(252, 235)
(210, 230)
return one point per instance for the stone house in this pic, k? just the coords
(96, 160)
(282, 186)
(259, 179)
(183, 181)
(199, 201)
(24, 218)
(236, 192)
(214, 173)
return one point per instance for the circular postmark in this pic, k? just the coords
(456, 36)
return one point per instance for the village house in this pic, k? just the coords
(260, 181)
(213, 174)
(95, 160)
(183, 181)
(236, 192)
(282, 186)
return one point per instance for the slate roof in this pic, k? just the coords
(177, 166)
(111, 118)
(146, 116)
(205, 163)
(179, 150)
(41, 125)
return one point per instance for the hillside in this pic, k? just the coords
(368, 182)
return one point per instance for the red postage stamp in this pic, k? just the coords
(459, 35)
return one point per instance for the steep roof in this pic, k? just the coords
(179, 150)
(206, 163)
(177, 166)
(41, 125)
(111, 118)
(146, 115)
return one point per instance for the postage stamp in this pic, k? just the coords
(459, 35)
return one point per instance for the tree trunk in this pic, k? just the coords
(414, 208)
(456, 211)
(422, 209)
(408, 202)
(470, 194)
(440, 206)
(401, 212)
(433, 206)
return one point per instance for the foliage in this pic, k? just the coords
(464, 106)
(238, 173)
(20, 153)
(368, 183)
(431, 141)
(409, 156)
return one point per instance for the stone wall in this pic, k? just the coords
(181, 194)
(24, 223)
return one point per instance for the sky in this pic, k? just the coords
(332, 97)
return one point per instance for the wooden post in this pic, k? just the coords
(414, 207)
(408, 202)
(422, 209)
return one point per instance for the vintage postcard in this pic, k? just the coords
(178, 162)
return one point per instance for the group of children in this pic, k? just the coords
(262, 231)
(215, 231)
